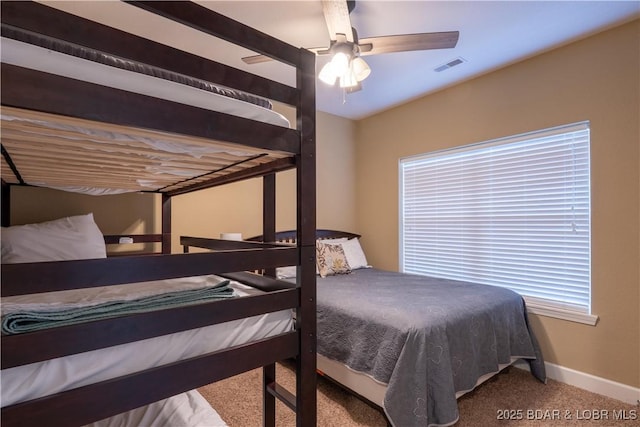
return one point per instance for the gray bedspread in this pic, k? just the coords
(426, 338)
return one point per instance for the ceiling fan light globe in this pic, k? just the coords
(360, 69)
(340, 63)
(328, 74)
(348, 79)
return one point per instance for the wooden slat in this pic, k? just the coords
(7, 175)
(87, 131)
(269, 212)
(53, 173)
(284, 395)
(20, 279)
(67, 153)
(222, 244)
(277, 165)
(5, 204)
(289, 236)
(114, 239)
(166, 224)
(116, 155)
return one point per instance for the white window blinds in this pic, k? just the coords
(513, 212)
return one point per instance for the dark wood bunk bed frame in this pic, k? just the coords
(33, 90)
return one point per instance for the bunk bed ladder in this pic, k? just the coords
(282, 394)
(76, 95)
(271, 391)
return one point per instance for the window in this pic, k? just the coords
(512, 212)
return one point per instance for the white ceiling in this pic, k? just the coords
(493, 34)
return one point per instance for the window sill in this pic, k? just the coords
(535, 307)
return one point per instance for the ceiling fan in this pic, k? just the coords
(347, 69)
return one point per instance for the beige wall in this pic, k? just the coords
(231, 208)
(595, 79)
(129, 213)
(238, 207)
(119, 214)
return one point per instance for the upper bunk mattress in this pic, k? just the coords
(96, 158)
(91, 66)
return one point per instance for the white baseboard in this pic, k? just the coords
(603, 386)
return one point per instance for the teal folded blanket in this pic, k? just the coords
(28, 321)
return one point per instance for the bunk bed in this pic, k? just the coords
(411, 344)
(67, 131)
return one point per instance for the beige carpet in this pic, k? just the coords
(238, 400)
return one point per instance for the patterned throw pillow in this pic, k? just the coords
(331, 260)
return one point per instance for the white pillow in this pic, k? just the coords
(353, 251)
(70, 238)
(289, 272)
(355, 254)
(286, 272)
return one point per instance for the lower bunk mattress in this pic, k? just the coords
(27, 382)
(185, 409)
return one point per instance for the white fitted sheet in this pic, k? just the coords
(22, 383)
(185, 409)
(159, 161)
(37, 58)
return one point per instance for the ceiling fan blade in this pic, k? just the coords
(336, 14)
(256, 59)
(406, 42)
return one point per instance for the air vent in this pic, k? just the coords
(450, 64)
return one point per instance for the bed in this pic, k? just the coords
(66, 125)
(411, 344)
